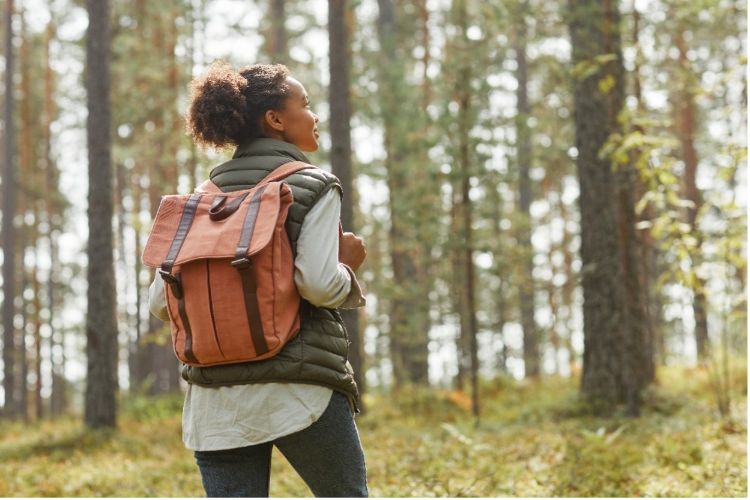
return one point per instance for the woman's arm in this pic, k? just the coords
(320, 278)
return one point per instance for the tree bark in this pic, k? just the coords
(686, 126)
(531, 355)
(409, 318)
(10, 408)
(469, 324)
(339, 28)
(613, 338)
(277, 46)
(101, 324)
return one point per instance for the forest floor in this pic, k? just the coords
(534, 439)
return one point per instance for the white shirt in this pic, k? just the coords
(216, 418)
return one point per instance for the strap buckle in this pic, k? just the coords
(241, 263)
(173, 282)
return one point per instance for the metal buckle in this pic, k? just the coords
(168, 277)
(241, 263)
(173, 283)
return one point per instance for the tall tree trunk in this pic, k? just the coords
(101, 324)
(10, 408)
(686, 126)
(531, 356)
(28, 204)
(613, 339)
(339, 28)
(408, 319)
(277, 46)
(648, 259)
(50, 188)
(468, 303)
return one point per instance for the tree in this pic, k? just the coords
(101, 323)
(686, 130)
(613, 339)
(409, 312)
(524, 158)
(339, 19)
(276, 41)
(467, 289)
(8, 231)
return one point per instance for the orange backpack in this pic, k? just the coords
(229, 267)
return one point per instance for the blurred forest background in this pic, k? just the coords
(553, 197)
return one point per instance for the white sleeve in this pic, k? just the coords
(320, 278)
(157, 301)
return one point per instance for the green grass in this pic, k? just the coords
(534, 439)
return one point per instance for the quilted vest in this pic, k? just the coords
(318, 354)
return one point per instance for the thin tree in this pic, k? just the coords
(467, 273)
(409, 311)
(101, 323)
(524, 158)
(684, 102)
(339, 18)
(10, 408)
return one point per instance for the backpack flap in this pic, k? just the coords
(185, 230)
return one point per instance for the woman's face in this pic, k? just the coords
(295, 123)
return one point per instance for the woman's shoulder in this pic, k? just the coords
(315, 180)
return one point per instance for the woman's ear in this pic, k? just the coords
(273, 120)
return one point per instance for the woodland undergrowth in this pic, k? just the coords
(534, 438)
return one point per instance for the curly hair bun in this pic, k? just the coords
(226, 106)
(217, 113)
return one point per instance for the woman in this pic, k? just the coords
(302, 400)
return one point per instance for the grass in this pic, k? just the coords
(534, 439)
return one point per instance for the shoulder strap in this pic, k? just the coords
(276, 174)
(208, 187)
(284, 171)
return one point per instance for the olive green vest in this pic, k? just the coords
(318, 355)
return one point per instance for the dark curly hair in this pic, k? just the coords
(226, 106)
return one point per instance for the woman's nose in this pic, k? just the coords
(316, 118)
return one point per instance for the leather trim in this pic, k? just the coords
(249, 289)
(249, 224)
(186, 326)
(188, 214)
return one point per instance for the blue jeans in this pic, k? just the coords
(327, 455)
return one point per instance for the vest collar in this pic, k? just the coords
(264, 146)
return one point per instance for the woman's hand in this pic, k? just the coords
(351, 250)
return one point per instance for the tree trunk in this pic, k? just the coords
(408, 318)
(339, 28)
(523, 150)
(686, 127)
(613, 339)
(468, 310)
(101, 324)
(501, 274)
(277, 43)
(50, 188)
(10, 408)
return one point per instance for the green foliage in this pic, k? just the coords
(533, 439)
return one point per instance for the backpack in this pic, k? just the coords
(229, 269)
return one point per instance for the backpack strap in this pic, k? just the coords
(284, 171)
(208, 186)
(281, 172)
(244, 265)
